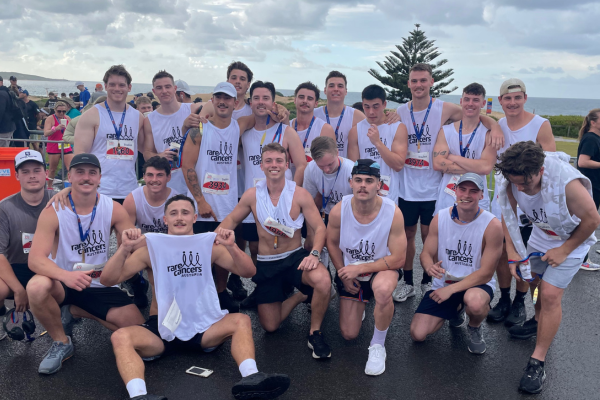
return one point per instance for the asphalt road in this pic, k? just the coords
(441, 367)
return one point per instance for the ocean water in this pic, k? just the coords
(537, 105)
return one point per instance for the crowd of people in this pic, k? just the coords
(336, 185)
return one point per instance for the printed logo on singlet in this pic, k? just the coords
(190, 265)
(340, 141)
(175, 136)
(335, 197)
(541, 221)
(364, 252)
(157, 226)
(470, 154)
(126, 134)
(224, 155)
(257, 158)
(373, 152)
(462, 255)
(93, 245)
(425, 139)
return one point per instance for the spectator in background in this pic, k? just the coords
(84, 96)
(69, 134)
(358, 106)
(51, 100)
(32, 112)
(184, 93)
(155, 105)
(144, 105)
(7, 124)
(588, 152)
(72, 110)
(98, 92)
(150, 95)
(13, 84)
(197, 100)
(53, 130)
(63, 94)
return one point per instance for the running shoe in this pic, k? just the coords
(425, 287)
(238, 292)
(517, 315)
(500, 311)
(67, 319)
(249, 302)
(376, 362)
(476, 343)
(459, 320)
(148, 397)
(525, 331)
(589, 266)
(56, 355)
(316, 342)
(226, 302)
(533, 379)
(261, 386)
(403, 292)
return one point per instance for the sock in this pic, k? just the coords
(378, 337)
(136, 387)
(426, 278)
(408, 277)
(248, 367)
(541, 362)
(520, 297)
(505, 294)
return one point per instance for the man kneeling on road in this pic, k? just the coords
(185, 311)
(461, 252)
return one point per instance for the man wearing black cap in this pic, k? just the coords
(7, 124)
(462, 265)
(367, 244)
(68, 254)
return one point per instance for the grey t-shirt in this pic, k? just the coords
(18, 221)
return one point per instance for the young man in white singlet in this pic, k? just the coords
(164, 126)
(199, 322)
(110, 131)
(461, 147)
(367, 245)
(517, 125)
(460, 253)
(68, 253)
(306, 124)
(558, 200)
(280, 208)
(424, 116)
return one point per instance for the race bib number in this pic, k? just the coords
(256, 180)
(173, 317)
(417, 160)
(385, 185)
(26, 239)
(550, 234)
(308, 154)
(451, 186)
(65, 146)
(216, 184)
(97, 268)
(277, 228)
(120, 149)
(364, 277)
(450, 279)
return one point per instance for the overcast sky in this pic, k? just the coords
(553, 45)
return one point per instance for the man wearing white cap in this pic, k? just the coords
(184, 93)
(84, 96)
(19, 214)
(466, 241)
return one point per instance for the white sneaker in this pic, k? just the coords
(376, 362)
(403, 292)
(589, 266)
(425, 287)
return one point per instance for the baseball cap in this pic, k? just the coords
(366, 166)
(28, 155)
(511, 86)
(26, 92)
(98, 86)
(227, 88)
(471, 177)
(79, 83)
(85, 158)
(182, 86)
(13, 78)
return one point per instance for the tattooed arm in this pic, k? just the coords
(441, 151)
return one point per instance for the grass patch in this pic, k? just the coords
(568, 147)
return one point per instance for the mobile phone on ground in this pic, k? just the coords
(203, 372)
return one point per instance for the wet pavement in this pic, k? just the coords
(441, 367)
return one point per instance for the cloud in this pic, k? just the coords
(76, 7)
(271, 44)
(537, 70)
(299, 61)
(320, 49)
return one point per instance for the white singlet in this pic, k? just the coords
(166, 129)
(216, 168)
(183, 284)
(242, 112)
(149, 218)
(366, 149)
(345, 126)
(365, 242)
(70, 247)
(418, 180)
(252, 144)
(280, 213)
(460, 246)
(315, 132)
(333, 186)
(448, 183)
(542, 237)
(117, 158)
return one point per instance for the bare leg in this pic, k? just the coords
(423, 325)
(271, 315)
(411, 233)
(383, 286)
(549, 318)
(130, 345)
(221, 276)
(45, 295)
(320, 280)
(477, 303)
(53, 164)
(351, 317)
(239, 328)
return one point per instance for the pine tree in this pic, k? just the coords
(414, 49)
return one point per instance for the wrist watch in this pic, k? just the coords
(315, 253)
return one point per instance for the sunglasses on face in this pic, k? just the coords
(60, 111)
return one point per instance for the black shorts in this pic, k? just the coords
(413, 210)
(120, 201)
(249, 231)
(23, 273)
(96, 301)
(364, 294)
(193, 344)
(526, 233)
(205, 226)
(274, 277)
(449, 308)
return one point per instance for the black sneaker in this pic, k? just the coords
(533, 378)
(500, 311)
(237, 288)
(525, 331)
(226, 302)
(316, 342)
(148, 397)
(459, 320)
(517, 315)
(139, 286)
(261, 386)
(249, 302)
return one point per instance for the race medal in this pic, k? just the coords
(120, 149)
(26, 239)
(385, 185)
(216, 184)
(323, 215)
(451, 186)
(97, 268)
(417, 160)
